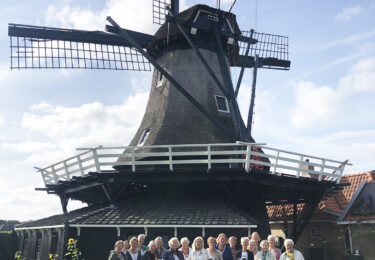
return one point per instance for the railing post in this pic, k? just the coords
(300, 165)
(276, 161)
(321, 170)
(43, 177)
(247, 161)
(54, 174)
(341, 172)
(133, 159)
(96, 160)
(170, 158)
(209, 157)
(66, 171)
(80, 165)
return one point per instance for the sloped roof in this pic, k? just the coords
(335, 203)
(154, 211)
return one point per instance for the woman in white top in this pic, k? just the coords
(198, 252)
(212, 252)
(133, 253)
(291, 253)
(185, 249)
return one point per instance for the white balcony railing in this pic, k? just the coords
(240, 155)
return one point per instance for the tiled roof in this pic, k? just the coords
(336, 202)
(155, 211)
(172, 211)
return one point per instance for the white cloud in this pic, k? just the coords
(125, 13)
(360, 79)
(314, 104)
(88, 125)
(317, 104)
(2, 119)
(355, 38)
(30, 146)
(349, 13)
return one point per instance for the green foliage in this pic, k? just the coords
(18, 255)
(72, 251)
(5, 245)
(53, 256)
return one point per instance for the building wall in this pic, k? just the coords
(363, 236)
(329, 245)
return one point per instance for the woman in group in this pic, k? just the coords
(255, 236)
(291, 253)
(198, 252)
(173, 253)
(244, 254)
(159, 247)
(264, 254)
(253, 247)
(133, 253)
(272, 247)
(150, 253)
(185, 249)
(212, 252)
(126, 246)
(117, 253)
(233, 246)
(223, 247)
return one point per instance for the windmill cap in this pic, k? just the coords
(197, 14)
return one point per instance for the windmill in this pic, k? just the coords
(208, 38)
(192, 103)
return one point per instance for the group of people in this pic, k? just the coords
(219, 248)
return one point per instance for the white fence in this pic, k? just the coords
(234, 155)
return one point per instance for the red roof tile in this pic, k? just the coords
(336, 202)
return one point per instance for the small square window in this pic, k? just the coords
(144, 136)
(316, 232)
(222, 104)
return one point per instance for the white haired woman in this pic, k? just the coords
(173, 253)
(150, 254)
(253, 247)
(272, 247)
(212, 252)
(117, 253)
(185, 249)
(264, 254)
(291, 253)
(198, 252)
(245, 254)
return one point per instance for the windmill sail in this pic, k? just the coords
(272, 50)
(46, 47)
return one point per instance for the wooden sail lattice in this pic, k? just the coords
(268, 46)
(29, 53)
(158, 10)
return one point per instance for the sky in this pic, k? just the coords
(322, 106)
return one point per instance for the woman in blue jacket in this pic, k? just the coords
(173, 253)
(223, 247)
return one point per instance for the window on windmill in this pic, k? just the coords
(222, 104)
(160, 79)
(144, 136)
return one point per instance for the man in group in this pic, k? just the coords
(291, 253)
(141, 241)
